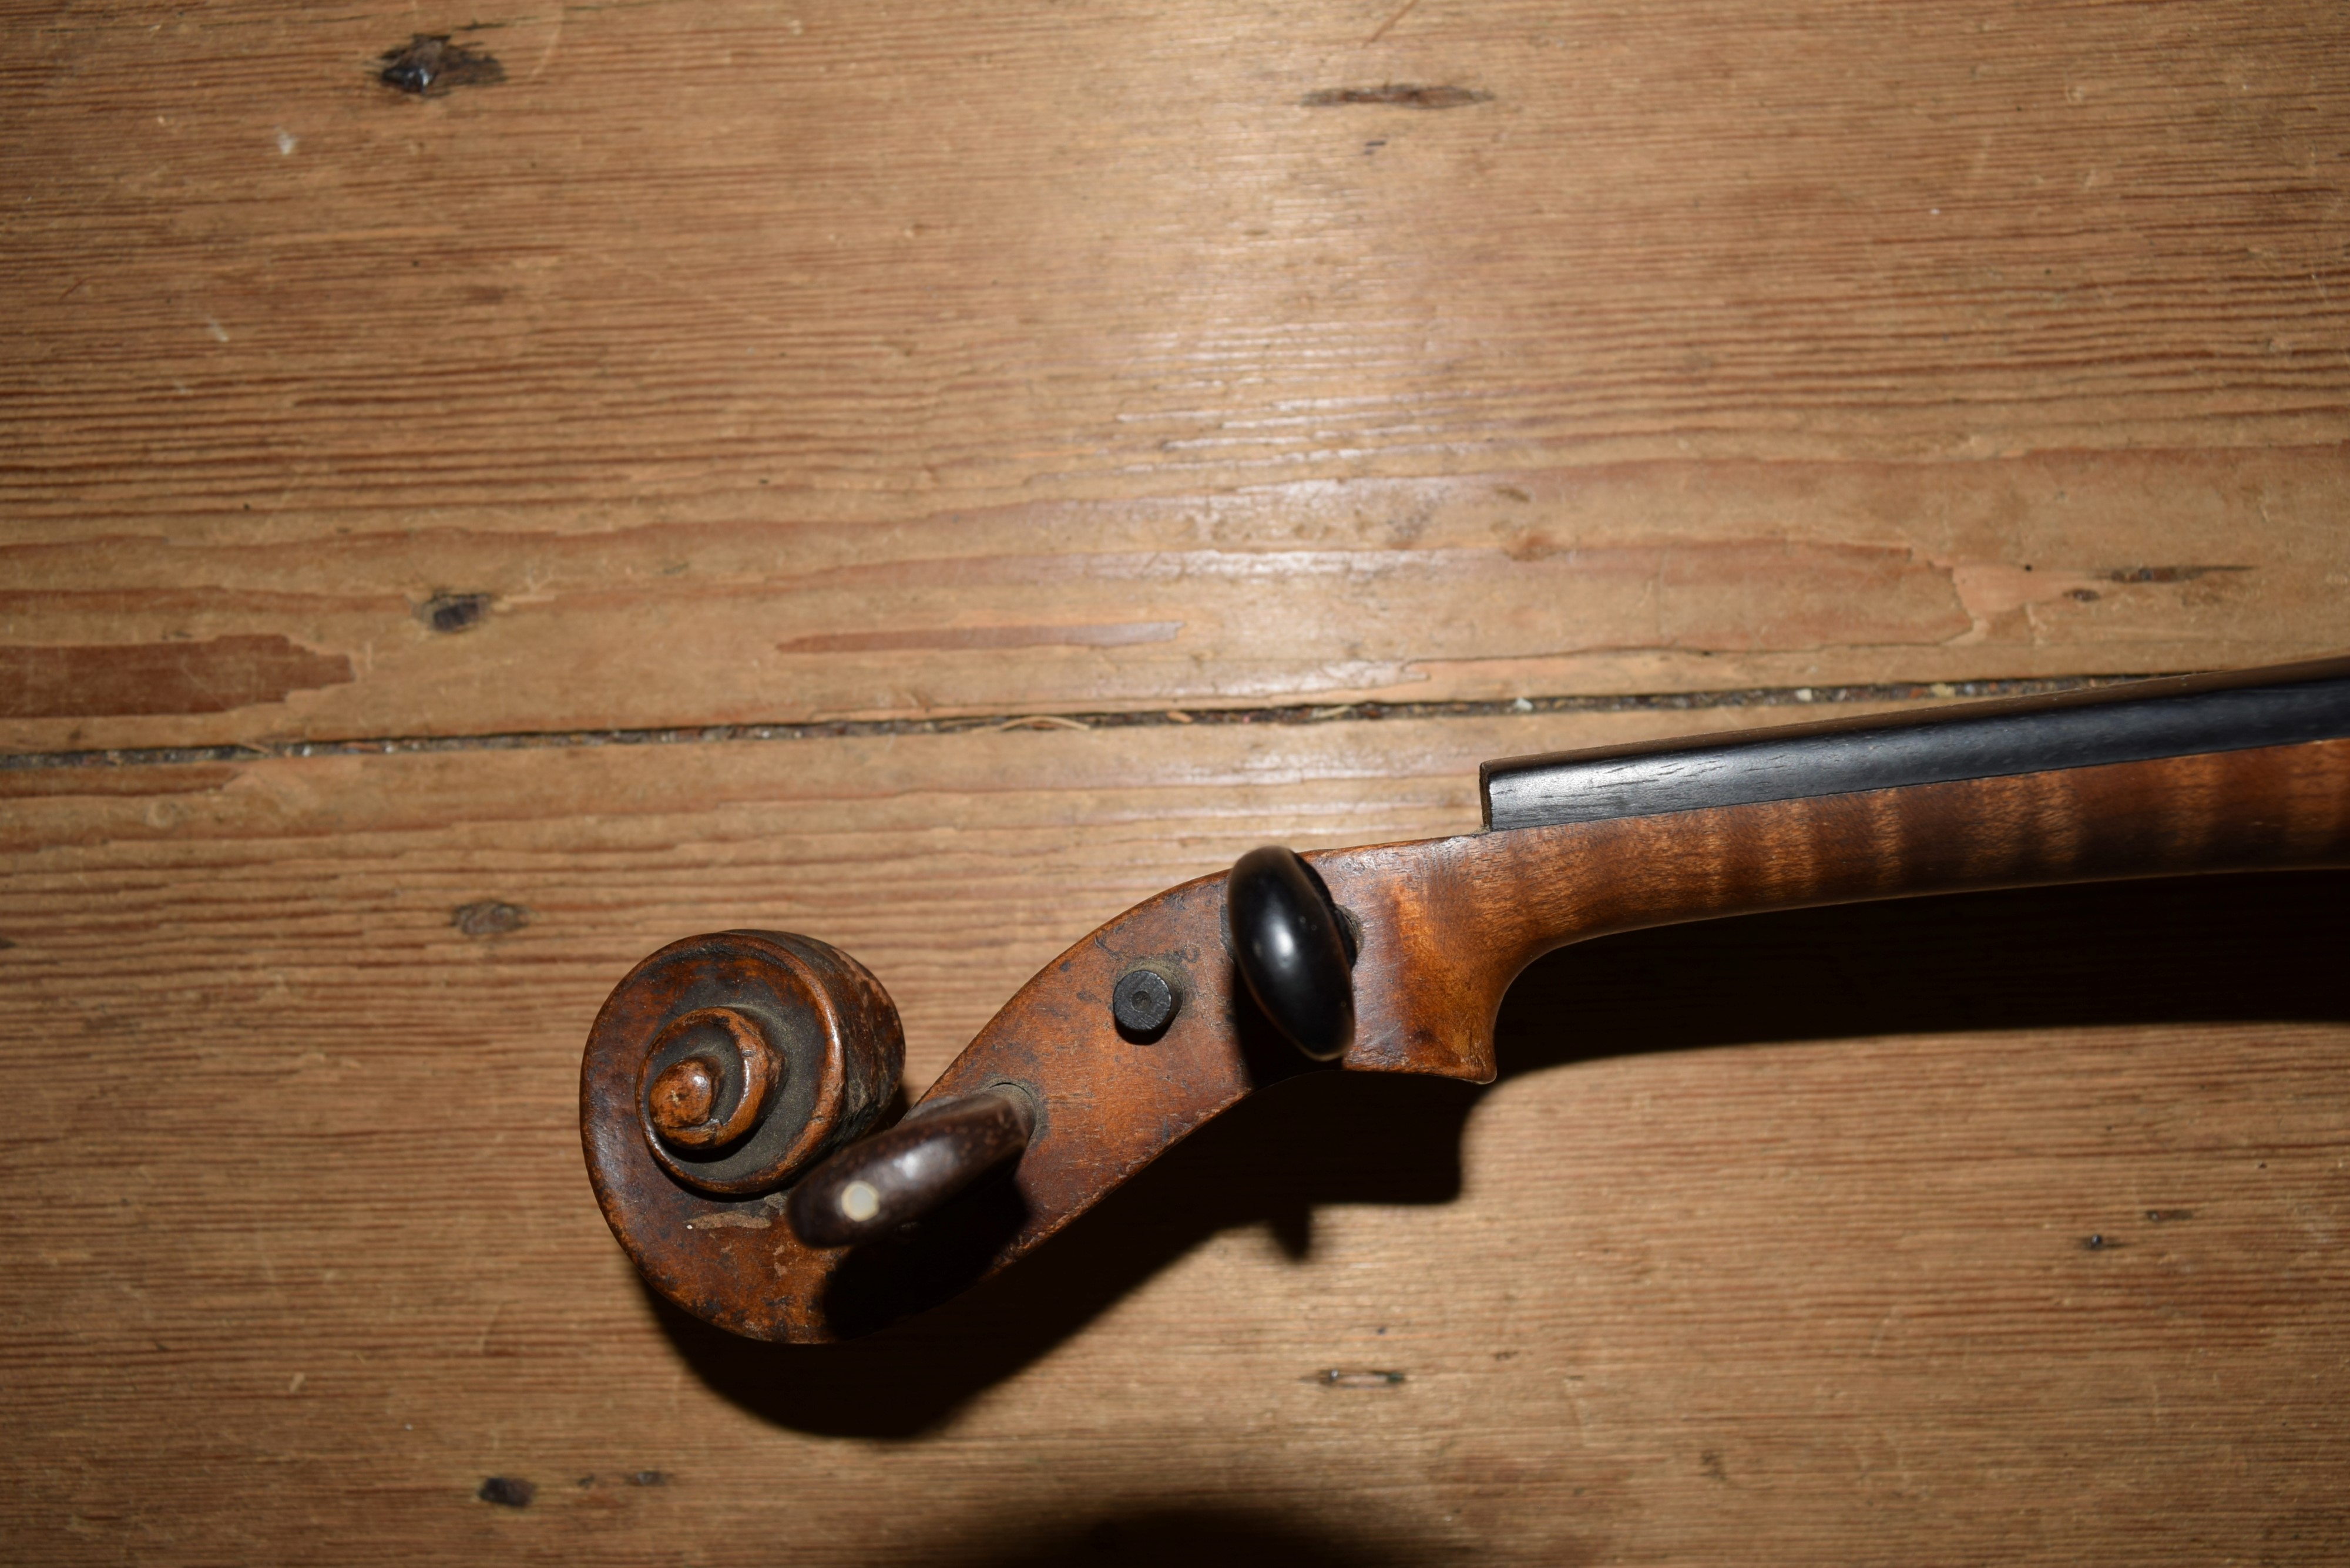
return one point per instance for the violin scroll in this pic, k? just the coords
(721, 1068)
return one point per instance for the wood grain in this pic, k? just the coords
(1654, 577)
(754, 366)
(1773, 1239)
(1448, 925)
(730, 362)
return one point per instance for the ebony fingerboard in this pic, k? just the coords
(2141, 722)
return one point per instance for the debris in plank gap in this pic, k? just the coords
(1040, 722)
(841, 729)
(428, 65)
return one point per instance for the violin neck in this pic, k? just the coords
(2243, 771)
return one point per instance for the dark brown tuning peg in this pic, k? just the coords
(1294, 948)
(870, 1189)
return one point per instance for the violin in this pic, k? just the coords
(737, 1090)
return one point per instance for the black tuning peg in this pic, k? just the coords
(1295, 949)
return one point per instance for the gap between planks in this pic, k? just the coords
(837, 729)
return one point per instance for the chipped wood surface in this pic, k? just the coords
(739, 365)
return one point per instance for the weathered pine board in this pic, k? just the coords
(730, 363)
(758, 363)
(1773, 1244)
(1653, 578)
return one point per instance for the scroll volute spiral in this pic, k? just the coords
(720, 1069)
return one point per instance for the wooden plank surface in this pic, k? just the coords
(730, 367)
(727, 365)
(1650, 577)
